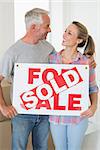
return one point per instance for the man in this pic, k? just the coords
(32, 48)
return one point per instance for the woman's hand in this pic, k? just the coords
(89, 112)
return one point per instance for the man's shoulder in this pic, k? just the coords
(13, 48)
(15, 45)
(47, 44)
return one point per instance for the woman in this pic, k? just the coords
(68, 131)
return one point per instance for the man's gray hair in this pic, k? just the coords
(34, 16)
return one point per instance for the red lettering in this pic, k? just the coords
(56, 103)
(29, 99)
(43, 103)
(72, 102)
(46, 72)
(31, 74)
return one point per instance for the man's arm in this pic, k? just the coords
(7, 111)
(92, 62)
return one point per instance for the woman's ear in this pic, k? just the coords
(79, 41)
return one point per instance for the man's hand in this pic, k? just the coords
(91, 61)
(8, 111)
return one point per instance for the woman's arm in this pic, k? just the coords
(91, 111)
(93, 92)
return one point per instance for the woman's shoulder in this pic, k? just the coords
(83, 59)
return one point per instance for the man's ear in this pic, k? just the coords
(33, 26)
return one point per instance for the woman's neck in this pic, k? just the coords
(70, 51)
(69, 54)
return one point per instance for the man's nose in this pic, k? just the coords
(49, 29)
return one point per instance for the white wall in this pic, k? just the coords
(56, 15)
(6, 25)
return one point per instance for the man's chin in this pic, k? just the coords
(44, 38)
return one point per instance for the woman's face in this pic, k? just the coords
(70, 36)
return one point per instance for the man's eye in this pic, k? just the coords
(69, 33)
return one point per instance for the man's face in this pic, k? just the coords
(44, 27)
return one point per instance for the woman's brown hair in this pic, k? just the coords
(87, 42)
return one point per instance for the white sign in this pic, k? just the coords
(51, 89)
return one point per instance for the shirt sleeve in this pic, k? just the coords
(54, 58)
(6, 66)
(92, 81)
